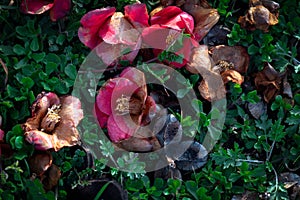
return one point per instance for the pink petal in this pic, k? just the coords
(35, 6)
(60, 9)
(137, 15)
(101, 117)
(134, 75)
(117, 129)
(155, 37)
(103, 99)
(40, 140)
(173, 17)
(119, 31)
(91, 23)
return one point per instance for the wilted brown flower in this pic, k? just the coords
(53, 122)
(40, 164)
(261, 15)
(271, 83)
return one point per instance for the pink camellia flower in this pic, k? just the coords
(58, 8)
(123, 107)
(53, 122)
(114, 31)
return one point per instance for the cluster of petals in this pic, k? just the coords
(135, 27)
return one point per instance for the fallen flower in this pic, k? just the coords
(58, 8)
(113, 30)
(271, 83)
(123, 107)
(53, 122)
(261, 15)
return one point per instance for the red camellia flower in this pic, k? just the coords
(123, 106)
(53, 122)
(58, 8)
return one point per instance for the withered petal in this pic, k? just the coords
(199, 59)
(39, 162)
(205, 19)
(233, 76)
(41, 141)
(52, 177)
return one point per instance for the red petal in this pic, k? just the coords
(91, 23)
(60, 9)
(173, 17)
(35, 6)
(137, 15)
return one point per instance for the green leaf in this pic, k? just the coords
(51, 67)
(101, 191)
(71, 71)
(192, 187)
(38, 57)
(19, 50)
(34, 45)
(19, 141)
(252, 49)
(27, 82)
(182, 92)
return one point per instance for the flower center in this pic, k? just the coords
(171, 38)
(123, 105)
(51, 119)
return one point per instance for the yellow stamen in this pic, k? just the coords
(123, 105)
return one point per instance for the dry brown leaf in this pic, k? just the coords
(232, 54)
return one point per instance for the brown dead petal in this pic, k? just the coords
(233, 76)
(142, 141)
(233, 54)
(51, 178)
(211, 94)
(188, 5)
(200, 58)
(205, 19)
(287, 90)
(39, 162)
(66, 133)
